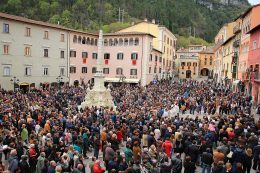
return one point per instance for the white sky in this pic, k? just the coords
(253, 2)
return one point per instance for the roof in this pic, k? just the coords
(127, 33)
(208, 50)
(183, 50)
(246, 12)
(254, 29)
(230, 38)
(30, 21)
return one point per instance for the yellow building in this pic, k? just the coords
(164, 41)
(206, 60)
(225, 33)
(188, 61)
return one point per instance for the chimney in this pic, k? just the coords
(145, 19)
(153, 21)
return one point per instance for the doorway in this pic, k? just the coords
(188, 74)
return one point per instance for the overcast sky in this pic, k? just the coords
(253, 2)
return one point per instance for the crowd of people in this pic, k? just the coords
(166, 126)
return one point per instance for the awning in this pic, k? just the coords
(236, 82)
(24, 83)
(118, 80)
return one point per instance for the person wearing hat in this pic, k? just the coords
(24, 165)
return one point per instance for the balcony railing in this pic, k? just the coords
(236, 29)
(236, 43)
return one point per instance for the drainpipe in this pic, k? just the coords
(68, 55)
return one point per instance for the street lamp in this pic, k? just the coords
(122, 78)
(15, 81)
(59, 80)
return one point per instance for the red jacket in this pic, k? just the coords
(119, 135)
(97, 168)
(167, 146)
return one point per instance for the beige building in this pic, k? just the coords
(34, 52)
(188, 61)
(164, 41)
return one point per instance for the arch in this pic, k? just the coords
(115, 42)
(79, 39)
(188, 74)
(131, 42)
(121, 42)
(92, 41)
(74, 39)
(136, 41)
(126, 42)
(204, 72)
(88, 40)
(84, 40)
(95, 42)
(105, 42)
(110, 42)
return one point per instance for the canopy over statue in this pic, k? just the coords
(99, 95)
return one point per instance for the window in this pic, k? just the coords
(75, 39)
(205, 62)
(27, 32)
(121, 42)
(182, 63)
(150, 70)
(254, 45)
(210, 60)
(94, 55)
(155, 70)
(6, 28)
(136, 41)
(133, 71)
(160, 70)
(28, 71)
(45, 71)
(106, 70)
(84, 54)
(62, 71)
(27, 51)
(106, 56)
(62, 37)
(134, 56)
(46, 53)
(156, 58)
(119, 71)
(120, 56)
(151, 57)
(126, 42)
(62, 54)
(160, 59)
(72, 69)
(7, 71)
(72, 53)
(6, 49)
(84, 70)
(94, 69)
(131, 42)
(188, 63)
(46, 34)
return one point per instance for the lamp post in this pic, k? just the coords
(15, 81)
(122, 78)
(59, 80)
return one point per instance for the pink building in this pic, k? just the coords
(127, 58)
(254, 62)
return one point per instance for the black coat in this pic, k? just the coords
(24, 166)
(189, 167)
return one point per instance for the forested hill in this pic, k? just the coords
(202, 18)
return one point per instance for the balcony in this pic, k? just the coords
(257, 76)
(236, 29)
(236, 43)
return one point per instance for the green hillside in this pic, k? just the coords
(184, 17)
